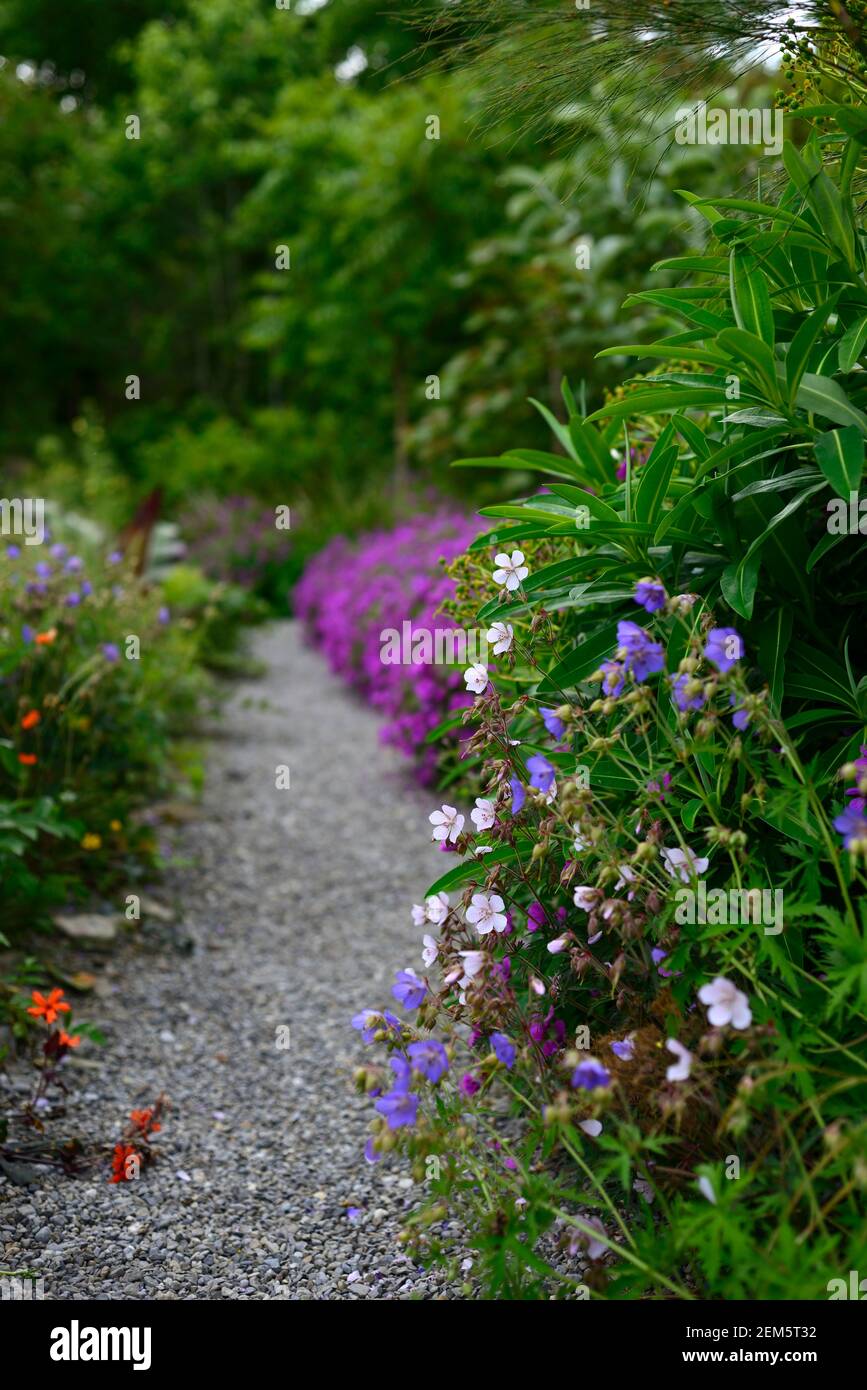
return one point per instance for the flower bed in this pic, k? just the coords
(353, 592)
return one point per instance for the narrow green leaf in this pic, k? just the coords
(840, 455)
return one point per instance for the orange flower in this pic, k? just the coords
(119, 1170)
(31, 719)
(44, 639)
(48, 1008)
(142, 1119)
(66, 1041)
(27, 759)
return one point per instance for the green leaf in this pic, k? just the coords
(803, 343)
(821, 396)
(751, 301)
(840, 455)
(824, 200)
(775, 634)
(586, 658)
(851, 344)
(738, 583)
(472, 869)
(747, 348)
(653, 402)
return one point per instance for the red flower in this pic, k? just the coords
(143, 1120)
(31, 719)
(64, 1040)
(27, 759)
(119, 1169)
(48, 1008)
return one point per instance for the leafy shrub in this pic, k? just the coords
(84, 731)
(235, 540)
(352, 592)
(648, 968)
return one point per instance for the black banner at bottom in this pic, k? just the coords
(196, 1338)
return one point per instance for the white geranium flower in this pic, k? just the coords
(483, 816)
(511, 569)
(559, 944)
(706, 1189)
(627, 875)
(683, 864)
(476, 677)
(537, 985)
(437, 908)
(679, 1071)
(643, 1188)
(419, 914)
(473, 962)
(591, 1127)
(487, 913)
(726, 1004)
(447, 823)
(502, 635)
(429, 954)
(483, 849)
(579, 843)
(586, 897)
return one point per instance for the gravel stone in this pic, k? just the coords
(297, 904)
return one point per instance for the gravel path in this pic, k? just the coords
(297, 903)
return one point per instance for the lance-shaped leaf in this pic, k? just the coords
(840, 455)
(751, 301)
(821, 395)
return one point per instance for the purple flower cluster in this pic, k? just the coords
(352, 591)
(235, 540)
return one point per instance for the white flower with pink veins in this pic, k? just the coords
(683, 864)
(586, 897)
(679, 1071)
(447, 823)
(510, 569)
(502, 635)
(487, 913)
(431, 949)
(726, 1004)
(484, 815)
(435, 910)
(476, 677)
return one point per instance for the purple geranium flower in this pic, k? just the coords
(73, 565)
(519, 796)
(741, 717)
(643, 657)
(164, 616)
(13, 551)
(429, 1057)
(73, 599)
(613, 678)
(724, 647)
(370, 1020)
(624, 1049)
(370, 1153)
(504, 1049)
(590, 1075)
(27, 634)
(43, 569)
(535, 917)
(650, 595)
(470, 1084)
(682, 698)
(408, 989)
(111, 651)
(541, 772)
(555, 726)
(852, 826)
(399, 1107)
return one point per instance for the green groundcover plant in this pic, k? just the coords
(637, 1061)
(98, 672)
